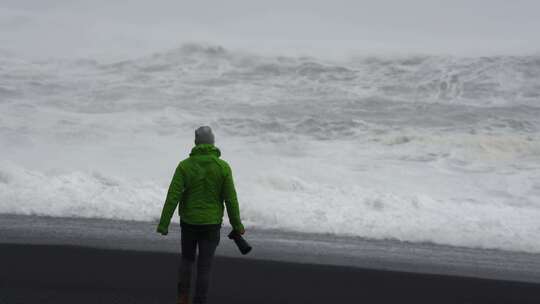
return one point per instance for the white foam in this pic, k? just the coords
(371, 147)
(77, 194)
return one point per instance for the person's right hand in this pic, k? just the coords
(242, 231)
(162, 230)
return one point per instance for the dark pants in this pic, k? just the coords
(207, 238)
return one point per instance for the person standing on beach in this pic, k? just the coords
(200, 185)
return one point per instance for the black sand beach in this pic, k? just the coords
(76, 274)
(76, 260)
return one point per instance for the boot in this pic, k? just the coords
(183, 299)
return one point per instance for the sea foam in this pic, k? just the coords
(420, 148)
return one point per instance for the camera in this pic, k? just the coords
(240, 242)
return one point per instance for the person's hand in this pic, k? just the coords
(162, 231)
(242, 231)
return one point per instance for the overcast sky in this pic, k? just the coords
(132, 28)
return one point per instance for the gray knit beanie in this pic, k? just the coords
(204, 135)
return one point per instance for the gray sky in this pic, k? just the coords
(131, 28)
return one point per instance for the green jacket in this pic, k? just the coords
(201, 183)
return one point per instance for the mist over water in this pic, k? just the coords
(417, 148)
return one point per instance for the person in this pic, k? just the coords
(200, 185)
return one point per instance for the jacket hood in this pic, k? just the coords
(205, 149)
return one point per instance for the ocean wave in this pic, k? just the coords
(181, 75)
(415, 148)
(281, 201)
(76, 194)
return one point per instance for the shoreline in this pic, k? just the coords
(283, 246)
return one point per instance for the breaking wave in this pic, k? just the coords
(415, 148)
